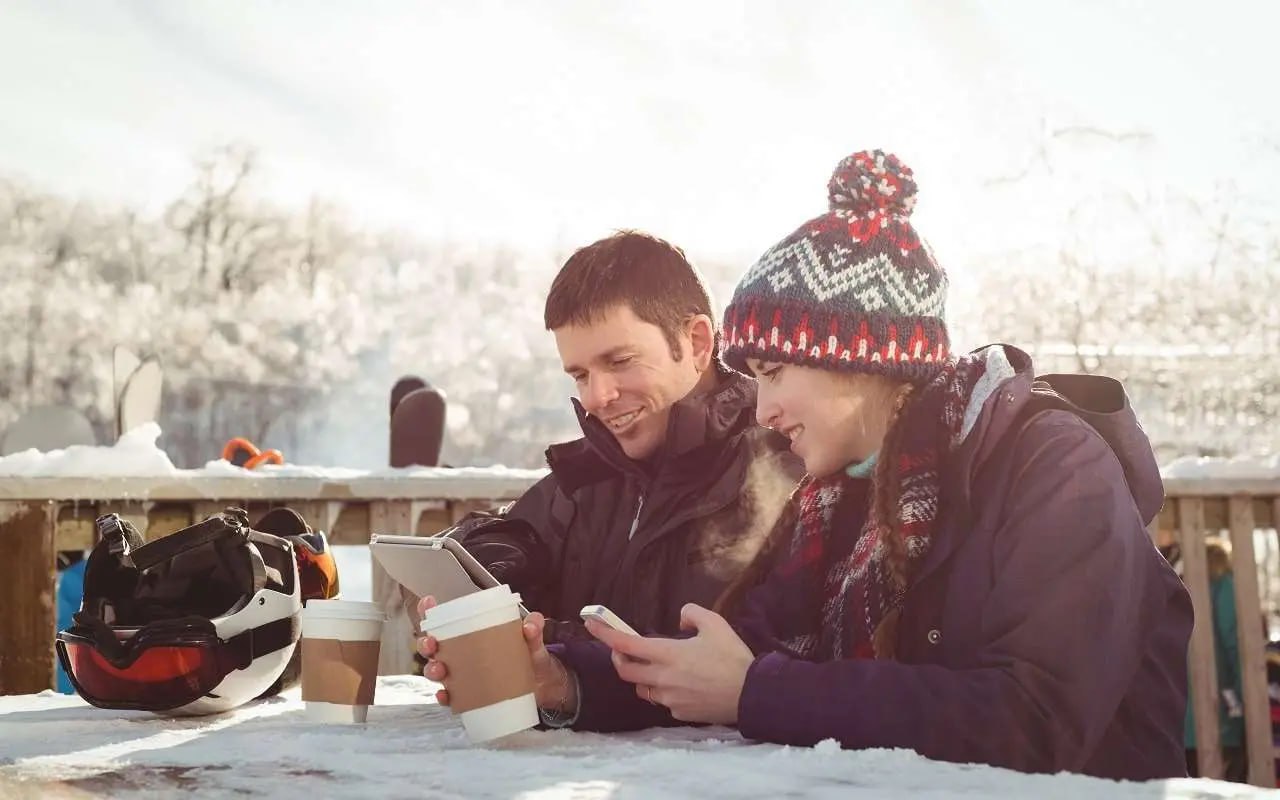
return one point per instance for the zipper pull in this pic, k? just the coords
(635, 523)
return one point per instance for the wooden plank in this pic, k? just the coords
(352, 525)
(1204, 670)
(319, 514)
(1216, 513)
(1253, 666)
(423, 514)
(75, 529)
(434, 521)
(30, 617)
(396, 655)
(203, 509)
(1221, 487)
(166, 518)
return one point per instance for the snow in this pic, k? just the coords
(137, 455)
(134, 455)
(355, 571)
(1205, 468)
(57, 745)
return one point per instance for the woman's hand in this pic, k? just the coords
(700, 679)
(553, 687)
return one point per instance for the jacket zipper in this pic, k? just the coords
(635, 522)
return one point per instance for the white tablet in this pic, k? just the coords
(431, 565)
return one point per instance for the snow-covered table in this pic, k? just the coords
(56, 746)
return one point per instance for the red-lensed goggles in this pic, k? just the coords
(164, 666)
(198, 621)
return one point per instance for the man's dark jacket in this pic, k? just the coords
(642, 538)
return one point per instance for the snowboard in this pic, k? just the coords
(417, 423)
(138, 386)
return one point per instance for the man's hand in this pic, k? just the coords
(553, 687)
(700, 679)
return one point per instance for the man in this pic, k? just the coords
(673, 486)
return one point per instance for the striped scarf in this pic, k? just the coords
(862, 588)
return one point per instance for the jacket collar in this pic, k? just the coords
(695, 421)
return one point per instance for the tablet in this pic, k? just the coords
(431, 565)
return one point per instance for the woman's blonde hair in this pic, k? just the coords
(1218, 553)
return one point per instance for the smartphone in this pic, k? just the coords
(432, 565)
(603, 614)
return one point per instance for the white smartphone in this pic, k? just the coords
(432, 565)
(603, 614)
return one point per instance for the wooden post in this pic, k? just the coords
(396, 655)
(1253, 665)
(30, 620)
(1204, 670)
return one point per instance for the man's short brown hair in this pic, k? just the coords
(650, 276)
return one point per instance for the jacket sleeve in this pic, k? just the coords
(521, 545)
(1063, 631)
(606, 702)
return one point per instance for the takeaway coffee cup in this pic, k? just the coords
(340, 643)
(490, 670)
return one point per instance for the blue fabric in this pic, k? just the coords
(70, 593)
(864, 468)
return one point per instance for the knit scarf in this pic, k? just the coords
(862, 587)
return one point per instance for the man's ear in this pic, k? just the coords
(702, 337)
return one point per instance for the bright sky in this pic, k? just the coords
(714, 124)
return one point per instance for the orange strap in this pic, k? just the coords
(256, 457)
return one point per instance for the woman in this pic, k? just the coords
(964, 571)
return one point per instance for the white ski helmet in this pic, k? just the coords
(196, 622)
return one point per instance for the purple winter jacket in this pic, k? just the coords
(1044, 633)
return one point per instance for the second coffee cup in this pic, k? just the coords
(490, 670)
(340, 644)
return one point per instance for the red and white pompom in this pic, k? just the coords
(872, 183)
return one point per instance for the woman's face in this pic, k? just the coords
(832, 419)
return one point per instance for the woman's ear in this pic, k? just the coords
(702, 338)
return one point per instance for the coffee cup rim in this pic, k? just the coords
(469, 605)
(343, 609)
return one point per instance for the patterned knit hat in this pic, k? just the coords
(854, 289)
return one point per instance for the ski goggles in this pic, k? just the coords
(317, 568)
(164, 623)
(165, 665)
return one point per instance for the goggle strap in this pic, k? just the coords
(168, 547)
(103, 637)
(122, 539)
(255, 642)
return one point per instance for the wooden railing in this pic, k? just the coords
(1234, 509)
(41, 516)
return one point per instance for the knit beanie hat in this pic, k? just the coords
(853, 290)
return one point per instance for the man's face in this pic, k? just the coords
(626, 376)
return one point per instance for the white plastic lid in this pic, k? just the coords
(343, 609)
(469, 605)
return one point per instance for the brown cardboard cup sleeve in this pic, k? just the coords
(339, 671)
(487, 666)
